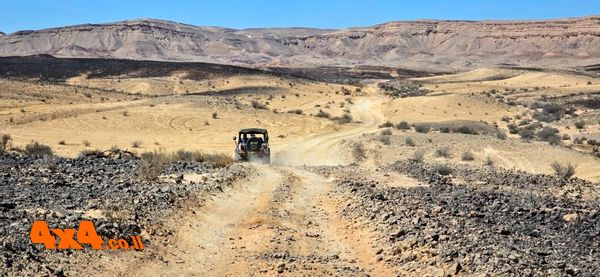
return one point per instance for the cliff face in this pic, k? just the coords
(413, 44)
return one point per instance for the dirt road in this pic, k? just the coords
(280, 221)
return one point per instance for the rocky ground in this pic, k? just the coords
(65, 191)
(478, 220)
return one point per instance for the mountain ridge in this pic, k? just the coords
(422, 44)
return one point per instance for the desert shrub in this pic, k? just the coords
(185, 155)
(86, 143)
(549, 134)
(346, 118)
(62, 142)
(136, 143)
(505, 118)
(442, 152)
(444, 130)
(565, 137)
(422, 128)
(217, 159)
(563, 171)
(125, 113)
(257, 105)
(90, 152)
(467, 156)
(549, 111)
(488, 161)
(358, 152)
(409, 141)
(593, 142)
(527, 133)
(215, 115)
(151, 165)
(580, 124)
(512, 128)
(501, 135)
(37, 149)
(387, 124)
(465, 130)
(296, 111)
(402, 89)
(385, 139)
(323, 114)
(5, 143)
(403, 125)
(441, 169)
(386, 132)
(418, 156)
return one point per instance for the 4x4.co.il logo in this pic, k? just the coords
(86, 234)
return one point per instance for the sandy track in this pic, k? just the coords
(280, 221)
(324, 148)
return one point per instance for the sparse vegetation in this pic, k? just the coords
(37, 149)
(403, 125)
(550, 135)
(418, 156)
(488, 161)
(5, 143)
(215, 115)
(296, 111)
(422, 128)
(62, 142)
(151, 165)
(386, 124)
(467, 156)
(580, 124)
(86, 143)
(409, 141)
(442, 151)
(563, 171)
(136, 144)
(386, 132)
(358, 152)
(441, 169)
(346, 118)
(385, 139)
(258, 105)
(323, 114)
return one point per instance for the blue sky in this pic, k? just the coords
(31, 15)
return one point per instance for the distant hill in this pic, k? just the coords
(422, 44)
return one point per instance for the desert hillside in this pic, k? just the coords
(423, 44)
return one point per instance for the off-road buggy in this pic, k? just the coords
(253, 145)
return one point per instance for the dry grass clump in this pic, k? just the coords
(441, 169)
(217, 159)
(344, 119)
(467, 156)
(563, 171)
(386, 124)
(409, 141)
(258, 105)
(5, 143)
(442, 152)
(358, 152)
(296, 111)
(421, 128)
(37, 149)
(136, 144)
(418, 156)
(323, 114)
(152, 165)
(403, 125)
